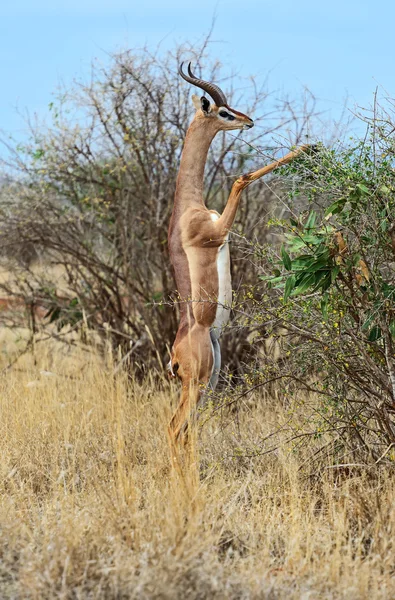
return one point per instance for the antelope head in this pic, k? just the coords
(220, 113)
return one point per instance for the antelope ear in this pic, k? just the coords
(205, 105)
(196, 101)
(202, 103)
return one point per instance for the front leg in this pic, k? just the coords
(226, 220)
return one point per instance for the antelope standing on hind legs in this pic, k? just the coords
(199, 252)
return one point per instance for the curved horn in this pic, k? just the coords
(215, 92)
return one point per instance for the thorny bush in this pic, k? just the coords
(327, 293)
(89, 198)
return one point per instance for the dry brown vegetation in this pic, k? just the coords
(91, 508)
(90, 196)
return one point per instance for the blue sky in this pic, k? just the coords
(336, 48)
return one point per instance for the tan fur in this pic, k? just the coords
(194, 241)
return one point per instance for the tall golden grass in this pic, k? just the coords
(92, 508)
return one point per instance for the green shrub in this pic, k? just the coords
(329, 292)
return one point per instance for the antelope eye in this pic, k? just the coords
(226, 115)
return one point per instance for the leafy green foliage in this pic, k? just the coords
(332, 286)
(69, 314)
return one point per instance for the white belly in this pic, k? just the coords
(224, 286)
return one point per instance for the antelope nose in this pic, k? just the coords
(249, 125)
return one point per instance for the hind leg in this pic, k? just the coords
(194, 357)
(216, 349)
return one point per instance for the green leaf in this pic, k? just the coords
(362, 188)
(286, 259)
(384, 224)
(275, 280)
(368, 322)
(306, 282)
(39, 153)
(318, 276)
(54, 314)
(311, 220)
(302, 263)
(302, 260)
(300, 242)
(334, 273)
(326, 284)
(374, 333)
(388, 290)
(322, 262)
(289, 286)
(324, 306)
(336, 207)
(309, 238)
(392, 328)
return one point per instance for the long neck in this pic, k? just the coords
(193, 160)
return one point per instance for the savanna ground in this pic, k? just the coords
(92, 508)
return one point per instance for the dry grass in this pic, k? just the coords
(91, 508)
